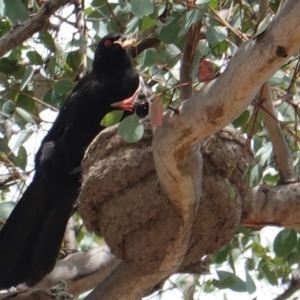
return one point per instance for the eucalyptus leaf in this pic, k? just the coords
(63, 86)
(112, 118)
(284, 242)
(238, 286)
(250, 284)
(29, 71)
(25, 115)
(142, 8)
(131, 129)
(216, 34)
(16, 10)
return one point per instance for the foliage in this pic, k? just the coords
(40, 74)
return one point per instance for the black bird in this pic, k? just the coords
(31, 238)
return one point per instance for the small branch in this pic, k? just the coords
(190, 48)
(263, 9)
(82, 271)
(273, 206)
(21, 33)
(81, 27)
(121, 27)
(127, 281)
(190, 288)
(280, 147)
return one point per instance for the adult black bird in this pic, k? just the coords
(31, 238)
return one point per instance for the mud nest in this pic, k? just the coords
(121, 198)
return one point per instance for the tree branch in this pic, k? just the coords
(280, 147)
(175, 152)
(190, 48)
(21, 33)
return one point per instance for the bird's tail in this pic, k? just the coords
(31, 237)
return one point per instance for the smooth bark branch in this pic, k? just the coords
(82, 271)
(280, 147)
(217, 104)
(25, 30)
(273, 205)
(175, 143)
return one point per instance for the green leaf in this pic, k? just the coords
(132, 25)
(149, 57)
(6, 208)
(25, 115)
(148, 22)
(112, 118)
(270, 275)
(131, 129)
(74, 60)
(52, 67)
(258, 250)
(216, 34)
(263, 25)
(222, 254)
(8, 107)
(284, 242)
(29, 71)
(34, 57)
(16, 10)
(168, 33)
(238, 286)
(63, 86)
(242, 120)
(224, 284)
(231, 262)
(250, 284)
(8, 65)
(298, 247)
(5, 151)
(2, 8)
(191, 17)
(255, 174)
(21, 159)
(54, 99)
(5, 25)
(229, 188)
(142, 7)
(98, 3)
(47, 40)
(23, 136)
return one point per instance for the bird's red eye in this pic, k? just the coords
(108, 43)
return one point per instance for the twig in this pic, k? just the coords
(280, 147)
(81, 26)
